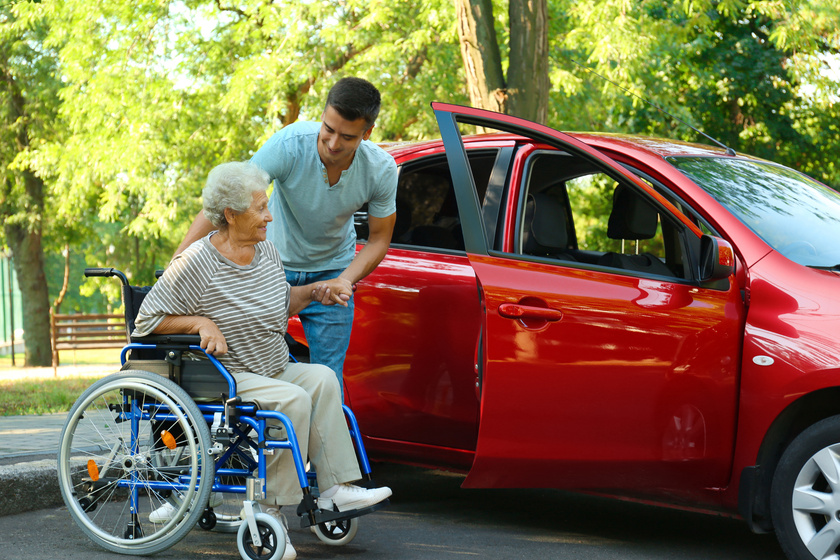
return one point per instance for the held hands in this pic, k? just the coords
(336, 291)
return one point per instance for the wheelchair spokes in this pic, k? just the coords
(132, 444)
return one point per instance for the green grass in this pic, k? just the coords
(41, 396)
(107, 356)
(44, 395)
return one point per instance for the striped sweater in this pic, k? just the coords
(249, 304)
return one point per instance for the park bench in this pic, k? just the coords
(86, 331)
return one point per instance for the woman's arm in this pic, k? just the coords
(301, 296)
(212, 339)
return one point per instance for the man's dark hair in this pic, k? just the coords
(355, 98)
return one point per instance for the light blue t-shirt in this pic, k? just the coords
(313, 221)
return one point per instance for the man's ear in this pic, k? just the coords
(366, 135)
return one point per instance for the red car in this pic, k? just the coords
(631, 316)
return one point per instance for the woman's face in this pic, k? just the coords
(250, 226)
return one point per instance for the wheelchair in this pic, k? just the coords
(169, 428)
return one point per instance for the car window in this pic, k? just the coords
(676, 201)
(573, 212)
(791, 212)
(427, 210)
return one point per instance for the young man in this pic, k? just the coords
(322, 174)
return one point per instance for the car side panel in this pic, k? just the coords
(635, 386)
(409, 373)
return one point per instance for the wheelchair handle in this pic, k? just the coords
(106, 272)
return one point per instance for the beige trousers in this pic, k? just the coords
(310, 396)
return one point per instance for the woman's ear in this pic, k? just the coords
(230, 216)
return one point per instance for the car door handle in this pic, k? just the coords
(519, 311)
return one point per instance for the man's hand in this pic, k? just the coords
(337, 291)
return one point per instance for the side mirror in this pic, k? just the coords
(717, 259)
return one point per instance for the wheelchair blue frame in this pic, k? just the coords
(254, 418)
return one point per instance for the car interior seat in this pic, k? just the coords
(403, 221)
(434, 236)
(633, 218)
(545, 232)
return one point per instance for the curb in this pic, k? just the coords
(29, 486)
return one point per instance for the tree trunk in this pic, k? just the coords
(524, 92)
(25, 241)
(481, 55)
(23, 226)
(528, 84)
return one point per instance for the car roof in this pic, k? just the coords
(600, 140)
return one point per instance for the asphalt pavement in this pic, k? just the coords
(430, 516)
(28, 446)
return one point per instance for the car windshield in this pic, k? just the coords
(791, 212)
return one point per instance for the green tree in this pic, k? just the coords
(749, 73)
(157, 93)
(28, 103)
(130, 103)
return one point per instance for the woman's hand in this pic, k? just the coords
(212, 339)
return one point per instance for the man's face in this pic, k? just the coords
(339, 138)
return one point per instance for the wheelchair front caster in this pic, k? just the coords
(337, 533)
(207, 520)
(87, 504)
(272, 537)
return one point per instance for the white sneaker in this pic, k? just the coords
(216, 499)
(290, 553)
(166, 511)
(349, 496)
(163, 514)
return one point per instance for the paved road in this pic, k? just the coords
(432, 518)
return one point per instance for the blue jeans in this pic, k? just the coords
(327, 327)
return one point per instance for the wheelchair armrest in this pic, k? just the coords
(168, 339)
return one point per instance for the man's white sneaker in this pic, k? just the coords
(349, 496)
(290, 553)
(162, 514)
(216, 499)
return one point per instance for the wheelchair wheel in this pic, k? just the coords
(272, 535)
(133, 444)
(337, 533)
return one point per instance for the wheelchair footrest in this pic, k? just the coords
(325, 516)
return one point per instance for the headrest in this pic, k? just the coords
(545, 225)
(632, 216)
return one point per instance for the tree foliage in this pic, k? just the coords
(113, 111)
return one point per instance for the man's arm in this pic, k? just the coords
(212, 339)
(379, 239)
(200, 227)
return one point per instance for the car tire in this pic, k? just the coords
(805, 493)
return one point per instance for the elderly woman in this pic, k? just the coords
(230, 288)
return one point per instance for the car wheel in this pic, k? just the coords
(805, 495)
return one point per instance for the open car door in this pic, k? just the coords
(591, 374)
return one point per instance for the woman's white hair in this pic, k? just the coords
(230, 185)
